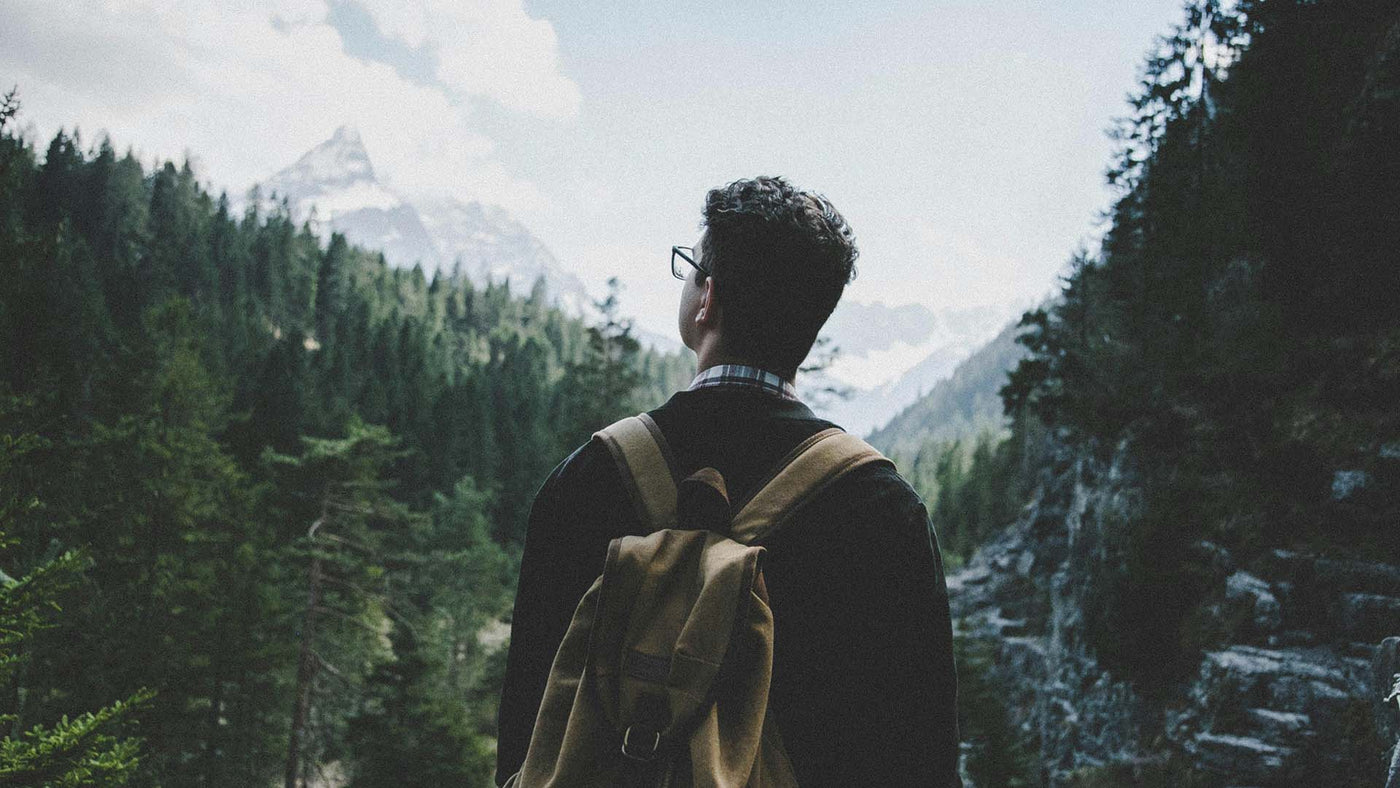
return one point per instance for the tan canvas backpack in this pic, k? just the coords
(662, 677)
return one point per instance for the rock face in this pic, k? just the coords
(1281, 699)
(1385, 674)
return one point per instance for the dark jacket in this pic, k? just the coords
(864, 687)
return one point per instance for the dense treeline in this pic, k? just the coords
(286, 482)
(963, 404)
(1237, 329)
(951, 446)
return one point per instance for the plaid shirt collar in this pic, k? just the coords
(746, 376)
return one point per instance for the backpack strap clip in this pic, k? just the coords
(636, 751)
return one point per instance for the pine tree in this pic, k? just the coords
(337, 487)
(597, 388)
(407, 733)
(88, 749)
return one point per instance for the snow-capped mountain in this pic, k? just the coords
(490, 244)
(335, 176)
(334, 185)
(889, 356)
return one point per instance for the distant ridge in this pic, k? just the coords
(959, 406)
(890, 356)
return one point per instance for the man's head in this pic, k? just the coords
(777, 260)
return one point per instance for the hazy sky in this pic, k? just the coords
(963, 141)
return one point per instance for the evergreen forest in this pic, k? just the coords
(262, 497)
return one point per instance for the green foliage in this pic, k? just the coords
(1236, 326)
(597, 387)
(1172, 772)
(976, 489)
(469, 580)
(407, 733)
(954, 448)
(88, 749)
(1000, 754)
(338, 487)
(195, 388)
(27, 603)
(73, 752)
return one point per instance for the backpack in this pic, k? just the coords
(662, 678)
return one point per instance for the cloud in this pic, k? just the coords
(251, 85)
(489, 48)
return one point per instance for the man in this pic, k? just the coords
(863, 685)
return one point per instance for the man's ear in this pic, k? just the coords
(708, 314)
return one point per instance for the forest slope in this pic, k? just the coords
(283, 483)
(1196, 557)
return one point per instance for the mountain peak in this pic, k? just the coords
(337, 179)
(347, 136)
(342, 159)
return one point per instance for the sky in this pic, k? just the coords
(963, 141)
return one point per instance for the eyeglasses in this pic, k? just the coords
(686, 253)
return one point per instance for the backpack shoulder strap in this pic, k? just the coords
(807, 470)
(647, 466)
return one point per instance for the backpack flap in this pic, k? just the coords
(682, 652)
(664, 673)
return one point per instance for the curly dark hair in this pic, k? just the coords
(780, 259)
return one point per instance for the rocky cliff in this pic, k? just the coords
(1287, 692)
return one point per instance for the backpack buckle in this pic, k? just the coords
(632, 751)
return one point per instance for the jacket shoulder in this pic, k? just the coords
(585, 496)
(877, 483)
(586, 462)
